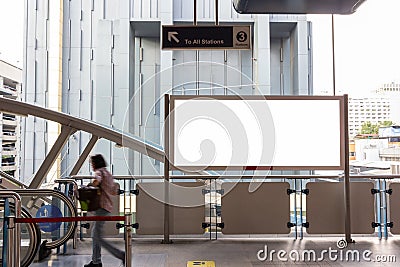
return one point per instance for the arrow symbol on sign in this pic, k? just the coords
(171, 35)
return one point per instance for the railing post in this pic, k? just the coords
(14, 234)
(166, 169)
(128, 240)
(346, 182)
(12, 242)
(6, 213)
(68, 181)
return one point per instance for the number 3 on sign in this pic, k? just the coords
(241, 36)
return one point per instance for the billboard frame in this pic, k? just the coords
(343, 130)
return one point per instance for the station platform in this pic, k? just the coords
(241, 253)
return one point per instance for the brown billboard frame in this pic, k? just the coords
(342, 112)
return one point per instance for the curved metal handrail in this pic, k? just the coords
(34, 236)
(71, 207)
(116, 136)
(11, 181)
(13, 256)
(212, 177)
(73, 199)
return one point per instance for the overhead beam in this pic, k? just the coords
(84, 155)
(51, 157)
(297, 6)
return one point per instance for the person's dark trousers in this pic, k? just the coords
(99, 241)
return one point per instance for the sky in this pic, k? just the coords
(367, 45)
(11, 31)
(367, 48)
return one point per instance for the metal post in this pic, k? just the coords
(295, 208)
(379, 209)
(333, 56)
(166, 170)
(68, 181)
(216, 13)
(128, 239)
(197, 51)
(195, 12)
(5, 244)
(215, 205)
(347, 210)
(301, 209)
(12, 241)
(14, 234)
(384, 211)
(51, 157)
(65, 212)
(210, 207)
(84, 155)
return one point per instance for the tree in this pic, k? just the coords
(385, 123)
(371, 128)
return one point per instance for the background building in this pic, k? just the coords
(392, 92)
(365, 109)
(388, 88)
(382, 105)
(10, 86)
(91, 58)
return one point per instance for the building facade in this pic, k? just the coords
(391, 91)
(10, 86)
(382, 105)
(389, 88)
(373, 109)
(101, 60)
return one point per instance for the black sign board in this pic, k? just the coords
(206, 37)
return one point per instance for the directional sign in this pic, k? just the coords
(206, 37)
(49, 211)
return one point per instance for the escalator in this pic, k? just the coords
(40, 197)
(32, 234)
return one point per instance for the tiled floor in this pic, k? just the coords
(242, 253)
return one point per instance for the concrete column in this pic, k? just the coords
(262, 58)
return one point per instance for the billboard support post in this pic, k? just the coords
(166, 170)
(347, 225)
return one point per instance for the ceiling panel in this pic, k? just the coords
(296, 6)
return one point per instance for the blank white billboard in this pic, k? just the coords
(215, 132)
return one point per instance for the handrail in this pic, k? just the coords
(73, 182)
(66, 180)
(14, 251)
(208, 177)
(34, 236)
(116, 136)
(65, 199)
(75, 201)
(12, 180)
(127, 227)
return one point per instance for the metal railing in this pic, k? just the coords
(212, 177)
(36, 194)
(14, 233)
(73, 199)
(11, 180)
(333, 178)
(127, 226)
